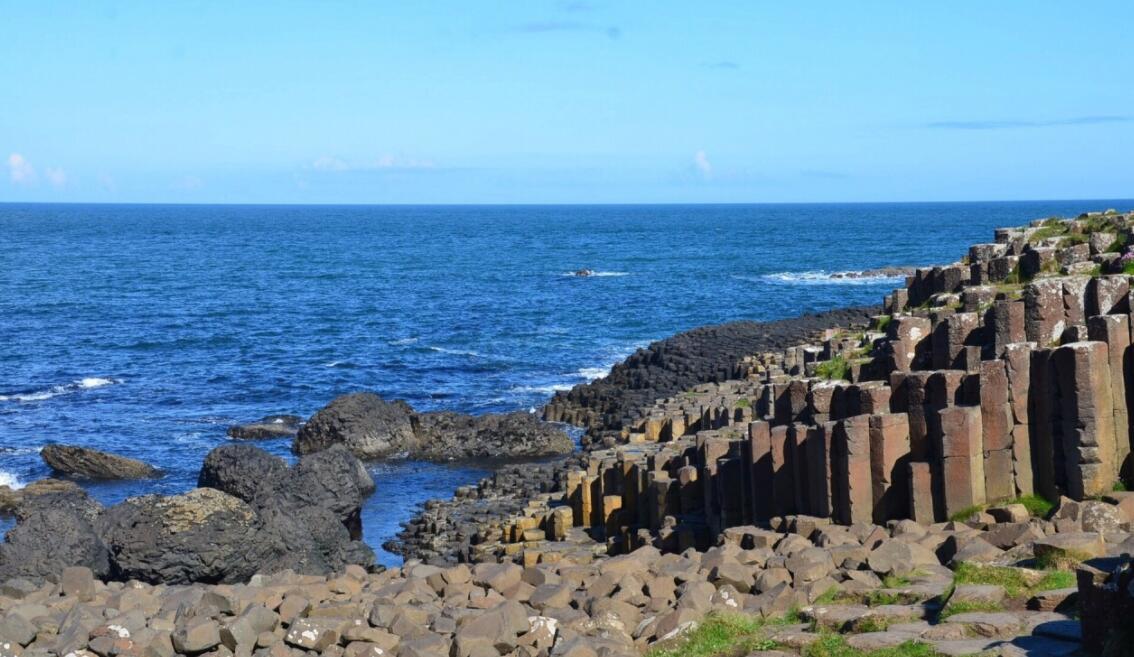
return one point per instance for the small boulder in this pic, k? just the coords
(272, 426)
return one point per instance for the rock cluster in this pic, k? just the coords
(880, 585)
(89, 463)
(252, 514)
(272, 426)
(701, 355)
(371, 428)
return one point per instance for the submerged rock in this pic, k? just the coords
(371, 427)
(94, 464)
(272, 426)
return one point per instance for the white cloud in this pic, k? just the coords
(56, 176)
(20, 171)
(382, 162)
(702, 163)
(328, 163)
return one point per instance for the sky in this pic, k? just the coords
(565, 101)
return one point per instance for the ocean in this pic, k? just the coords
(147, 330)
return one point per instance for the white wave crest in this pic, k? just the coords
(86, 383)
(457, 352)
(402, 342)
(10, 480)
(820, 277)
(596, 274)
(544, 390)
(592, 373)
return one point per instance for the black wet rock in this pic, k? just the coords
(272, 426)
(48, 540)
(371, 428)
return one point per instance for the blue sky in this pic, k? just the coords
(565, 101)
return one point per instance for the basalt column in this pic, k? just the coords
(851, 471)
(1083, 370)
(962, 459)
(1114, 330)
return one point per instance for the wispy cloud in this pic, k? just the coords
(382, 162)
(56, 176)
(1009, 124)
(702, 164)
(724, 64)
(20, 171)
(552, 26)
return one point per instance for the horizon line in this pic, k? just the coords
(554, 204)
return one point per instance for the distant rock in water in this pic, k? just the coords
(585, 272)
(272, 426)
(251, 514)
(373, 428)
(882, 272)
(94, 464)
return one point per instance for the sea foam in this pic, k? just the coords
(86, 383)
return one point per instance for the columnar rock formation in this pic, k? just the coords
(1001, 376)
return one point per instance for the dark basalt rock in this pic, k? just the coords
(454, 436)
(94, 464)
(272, 426)
(702, 355)
(204, 535)
(371, 427)
(50, 539)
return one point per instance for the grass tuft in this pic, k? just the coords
(833, 645)
(1016, 582)
(965, 606)
(835, 369)
(1037, 506)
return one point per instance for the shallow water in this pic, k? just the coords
(147, 330)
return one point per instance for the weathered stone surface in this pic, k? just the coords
(1088, 417)
(89, 463)
(962, 483)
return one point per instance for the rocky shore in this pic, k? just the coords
(945, 474)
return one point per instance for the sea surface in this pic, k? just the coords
(147, 330)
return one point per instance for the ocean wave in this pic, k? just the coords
(596, 274)
(592, 373)
(457, 352)
(543, 390)
(402, 342)
(339, 363)
(10, 480)
(85, 383)
(821, 277)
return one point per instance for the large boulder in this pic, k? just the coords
(453, 436)
(204, 535)
(94, 464)
(369, 426)
(333, 480)
(53, 531)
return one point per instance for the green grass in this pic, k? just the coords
(833, 645)
(966, 606)
(1037, 506)
(829, 596)
(1051, 228)
(1016, 583)
(1072, 240)
(966, 512)
(725, 634)
(1128, 268)
(743, 403)
(1061, 562)
(878, 598)
(835, 369)
(1119, 486)
(884, 321)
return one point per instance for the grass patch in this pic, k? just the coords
(966, 606)
(1128, 267)
(833, 370)
(1119, 487)
(1037, 506)
(884, 321)
(1061, 562)
(966, 512)
(834, 645)
(1050, 229)
(743, 403)
(1072, 240)
(829, 596)
(725, 634)
(878, 598)
(1016, 582)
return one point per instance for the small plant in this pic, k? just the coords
(743, 403)
(966, 513)
(1065, 560)
(884, 321)
(1016, 582)
(834, 645)
(1119, 486)
(828, 596)
(1126, 261)
(833, 370)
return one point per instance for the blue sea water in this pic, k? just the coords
(147, 330)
